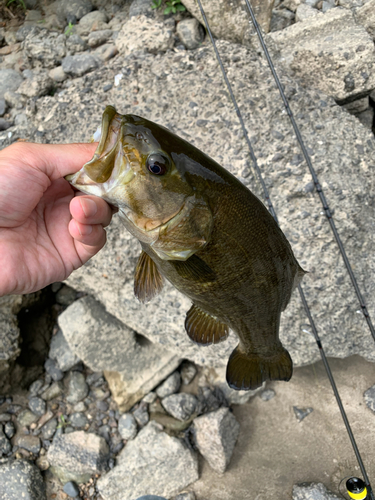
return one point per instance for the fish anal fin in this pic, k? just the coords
(148, 282)
(203, 328)
(194, 269)
(249, 371)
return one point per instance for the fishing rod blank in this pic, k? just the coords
(269, 203)
(317, 184)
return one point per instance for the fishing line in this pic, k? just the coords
(272, 211)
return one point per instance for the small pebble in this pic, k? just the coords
(102, 405)
(107, 87)
(37, 406)
(52, 369)
(301, 413)
(95, 378)
(141, 415)
(35, 387)
(9, 430)
(169, 386)
(26, 418)
(127, 426)
(267, 394)
(78, 420)
(71, 489)
(48, 429)
(188, 372)
(150, 397)
(29, 443)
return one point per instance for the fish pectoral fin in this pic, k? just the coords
(194, 269)
(203, 328)
(249, 371)
(148, 282)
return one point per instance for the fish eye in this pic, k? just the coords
(157, 164)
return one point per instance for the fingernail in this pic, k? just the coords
(85, 229)
(89, 207)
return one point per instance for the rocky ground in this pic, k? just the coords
(104, 398)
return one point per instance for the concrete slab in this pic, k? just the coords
(275, 450)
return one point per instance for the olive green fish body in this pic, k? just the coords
(206, 233)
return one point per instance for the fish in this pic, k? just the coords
(206, 233)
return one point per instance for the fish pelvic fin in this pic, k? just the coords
(249, 371)
(203, 328)
(148, 282)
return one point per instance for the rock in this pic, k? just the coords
(233, 397)
(150, 497)
(181, 406)
(367, 118)
(5, 124)
(78, 389)
(5, 445)
(45, 49)
(26, 418)
(169, 386)
(327, 5)
(150, 397)
(185, 495)
(292, 4)
(21, 479)
(93, 21)
(216, 434)
(104, 343)
(304, 12)
(97, 38)
(53, 370)
(365, 15)
(37, 86)
(79, 453)
(153, 461)
(188, 372)
(301, 413)
(156, 37)
(78, 8)
(14, 100)
(267, 394)
(71, 489)
(331, 44)
(20, 119)
(211, 400)
(106, 52)
(78, 420)
(49, 428)
(357, 106)
(61, 352)
(312, 491)
(37, 406)
(74, 43)
(127, 426)
(229, 20)
(10, 80)
(190, 32)
(141, 7)
(141, 415)
(9, 430)
(369, 396)
(79, 64)
(3, 107)
(52, 392)
(29, 443)
(66, 295)
(36, 387)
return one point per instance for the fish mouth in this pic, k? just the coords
(110, 164)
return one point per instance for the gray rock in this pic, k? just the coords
(97, 38)
(188, 371)
(37, 406)
(301, 413)
(44, 48)
(181, 406)
(229, 20)
(20, 119)
(14, 99)
(48, 430)
(66, 295)
(79, 64)
(367, 118)
(153, 461)
(78, 8)
(21, 479)
(53, 370)
(150, 397)
(71, 489)
(78, 420)
(312, 3)
(169, 386)
(210, 401)
(191, 33)
(29, 443)
(92, 21)
(40, 84)
(185, 495)
(304, 12)
(5, 124)
(61, 352)
(327, 5)
(156, 36)
(77, 388)
(5, 445)
(216, 434)
(141, 7)
(79, 452)
(36, 387)
(106, 52)
(141, 415)
(53, 391)
(312, 491)
(74, 43)
(5, 417)
(369, 396)
(104, 343)
(308, 48)
(80, 407)
(267, 394)
(3, 107)
(9, 430)
(127, 426)
(10, 80)
(365, 15)
(357, 106)
(26, 418)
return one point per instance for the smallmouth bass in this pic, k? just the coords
(206, 233)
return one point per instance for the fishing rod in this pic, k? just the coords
(368, 488)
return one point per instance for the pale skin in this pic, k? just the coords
(47, 230)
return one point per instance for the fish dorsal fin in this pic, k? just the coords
(203, 328)
(194, 269)
(148, 282)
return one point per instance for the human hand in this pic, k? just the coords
(47, 230)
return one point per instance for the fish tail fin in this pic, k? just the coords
(249, 371)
